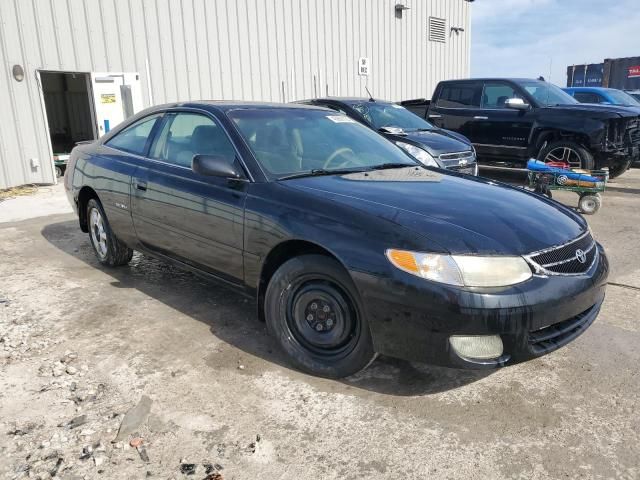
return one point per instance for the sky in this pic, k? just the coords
(522, 38)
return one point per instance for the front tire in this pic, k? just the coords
(569, 152)
(619, 168)
(313, 310)
(108, 248)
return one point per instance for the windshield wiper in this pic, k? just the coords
(317, 172)
(384, 166)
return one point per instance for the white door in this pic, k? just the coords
(116, 96)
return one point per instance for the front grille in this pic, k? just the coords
(624, 133)
(458, 160)
(468, 170)
(554, 336)
(566, 259)
(633, 132)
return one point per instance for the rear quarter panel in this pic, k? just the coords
(108, 172)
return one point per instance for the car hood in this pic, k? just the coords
(597, 110)
(464, 215)
(435, 141)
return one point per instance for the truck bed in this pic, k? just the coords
(418, 106)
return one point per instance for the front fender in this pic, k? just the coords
(590, 132)
(275, 214)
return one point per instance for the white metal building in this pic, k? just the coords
(72, 69)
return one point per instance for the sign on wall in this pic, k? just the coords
(634, 72)
(363, 66)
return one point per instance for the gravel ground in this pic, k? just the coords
(93, 361)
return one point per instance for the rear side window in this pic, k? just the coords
(495, 95)
(184, 135)
(133, 139)
(460, 95)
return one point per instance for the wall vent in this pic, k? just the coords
(437, 30)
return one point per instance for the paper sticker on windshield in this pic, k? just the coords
(340, 119)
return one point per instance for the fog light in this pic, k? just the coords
(480, 347)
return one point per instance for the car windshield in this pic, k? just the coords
(295, 142)
(622, 98)
(546, 94)
(381, 115)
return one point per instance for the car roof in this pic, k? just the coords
(587, 89)
(349, 100)
(495, 79)
(226, 105)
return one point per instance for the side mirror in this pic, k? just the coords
(516, 104)
(215, 166)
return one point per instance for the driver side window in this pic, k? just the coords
(587, 97)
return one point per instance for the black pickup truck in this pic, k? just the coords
(512, 120)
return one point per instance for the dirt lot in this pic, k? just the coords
(84, 344)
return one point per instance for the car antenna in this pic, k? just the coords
(371, 99)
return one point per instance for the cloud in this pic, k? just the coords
(527, 38)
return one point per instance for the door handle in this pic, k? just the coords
(140, 185)
(435, 115)
(481, 118)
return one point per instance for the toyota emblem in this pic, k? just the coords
(581, 256)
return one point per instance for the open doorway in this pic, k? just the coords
(68, 104)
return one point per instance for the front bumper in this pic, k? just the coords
(468, 169)
(413, 319)
(621, 156)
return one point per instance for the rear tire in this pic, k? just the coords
(570, 152)
(313, 310)
(108, 248)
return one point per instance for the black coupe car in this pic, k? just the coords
(350, 247)
(430, 145)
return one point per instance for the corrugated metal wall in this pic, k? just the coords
(274, 50)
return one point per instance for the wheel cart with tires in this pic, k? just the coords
(60, 161)
(588, 184)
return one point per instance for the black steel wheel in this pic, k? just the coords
(312, 309)
(567, 152)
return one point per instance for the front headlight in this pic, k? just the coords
(462, 270)
(419, 154)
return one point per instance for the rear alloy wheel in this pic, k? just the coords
(567, 152)
(108, 248)
(312, 309)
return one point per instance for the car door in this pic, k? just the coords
(181, 214)
(498, 131)
(456, 105)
